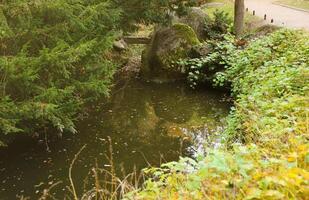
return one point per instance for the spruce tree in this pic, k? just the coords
(52, 61)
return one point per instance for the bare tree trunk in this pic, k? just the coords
(239, 17)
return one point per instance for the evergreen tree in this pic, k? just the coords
(151, 11)
(52, 61)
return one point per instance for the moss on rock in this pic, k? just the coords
(186, 32)
(195, 18)
(168, 45)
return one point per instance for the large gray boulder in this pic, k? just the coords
(195, 18)
(167, 46)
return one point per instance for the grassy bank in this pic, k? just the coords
(302, 4)
(227, 6)
(265, 151)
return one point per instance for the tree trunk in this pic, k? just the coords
(239, 17)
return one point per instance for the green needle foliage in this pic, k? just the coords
(52, 61)
(151, 11)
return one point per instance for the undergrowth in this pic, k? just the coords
(265, 155)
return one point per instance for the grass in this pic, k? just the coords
(143, 30)
(251, 22)
(303, 4)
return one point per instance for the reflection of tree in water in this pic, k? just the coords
(131, 117)
(150, 119)
(172, 106)
(130, 107)
(144, 121)
(140, 108)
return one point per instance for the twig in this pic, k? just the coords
(46, 193)
(70, 172)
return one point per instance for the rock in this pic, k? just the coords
(201, 50)
(167, 46)
(265, 30)
(195, 18)
(120, 45)
(131, 69)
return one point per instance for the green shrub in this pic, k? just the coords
(218, 25)
(203, 69)
(52, 61)
(268, 78)
(265, 150)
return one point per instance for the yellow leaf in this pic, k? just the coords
(253, 193)
(273, 194)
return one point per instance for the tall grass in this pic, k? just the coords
(107, 185)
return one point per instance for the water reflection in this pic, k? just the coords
(148, 124)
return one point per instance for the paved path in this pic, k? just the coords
(282, 16)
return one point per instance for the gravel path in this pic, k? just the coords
(282, 16)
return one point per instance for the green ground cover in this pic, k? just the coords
(251, 21)
(265, 151)
(303, 4)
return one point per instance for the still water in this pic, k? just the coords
(147, 124)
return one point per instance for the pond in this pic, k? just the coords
(147, 124)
